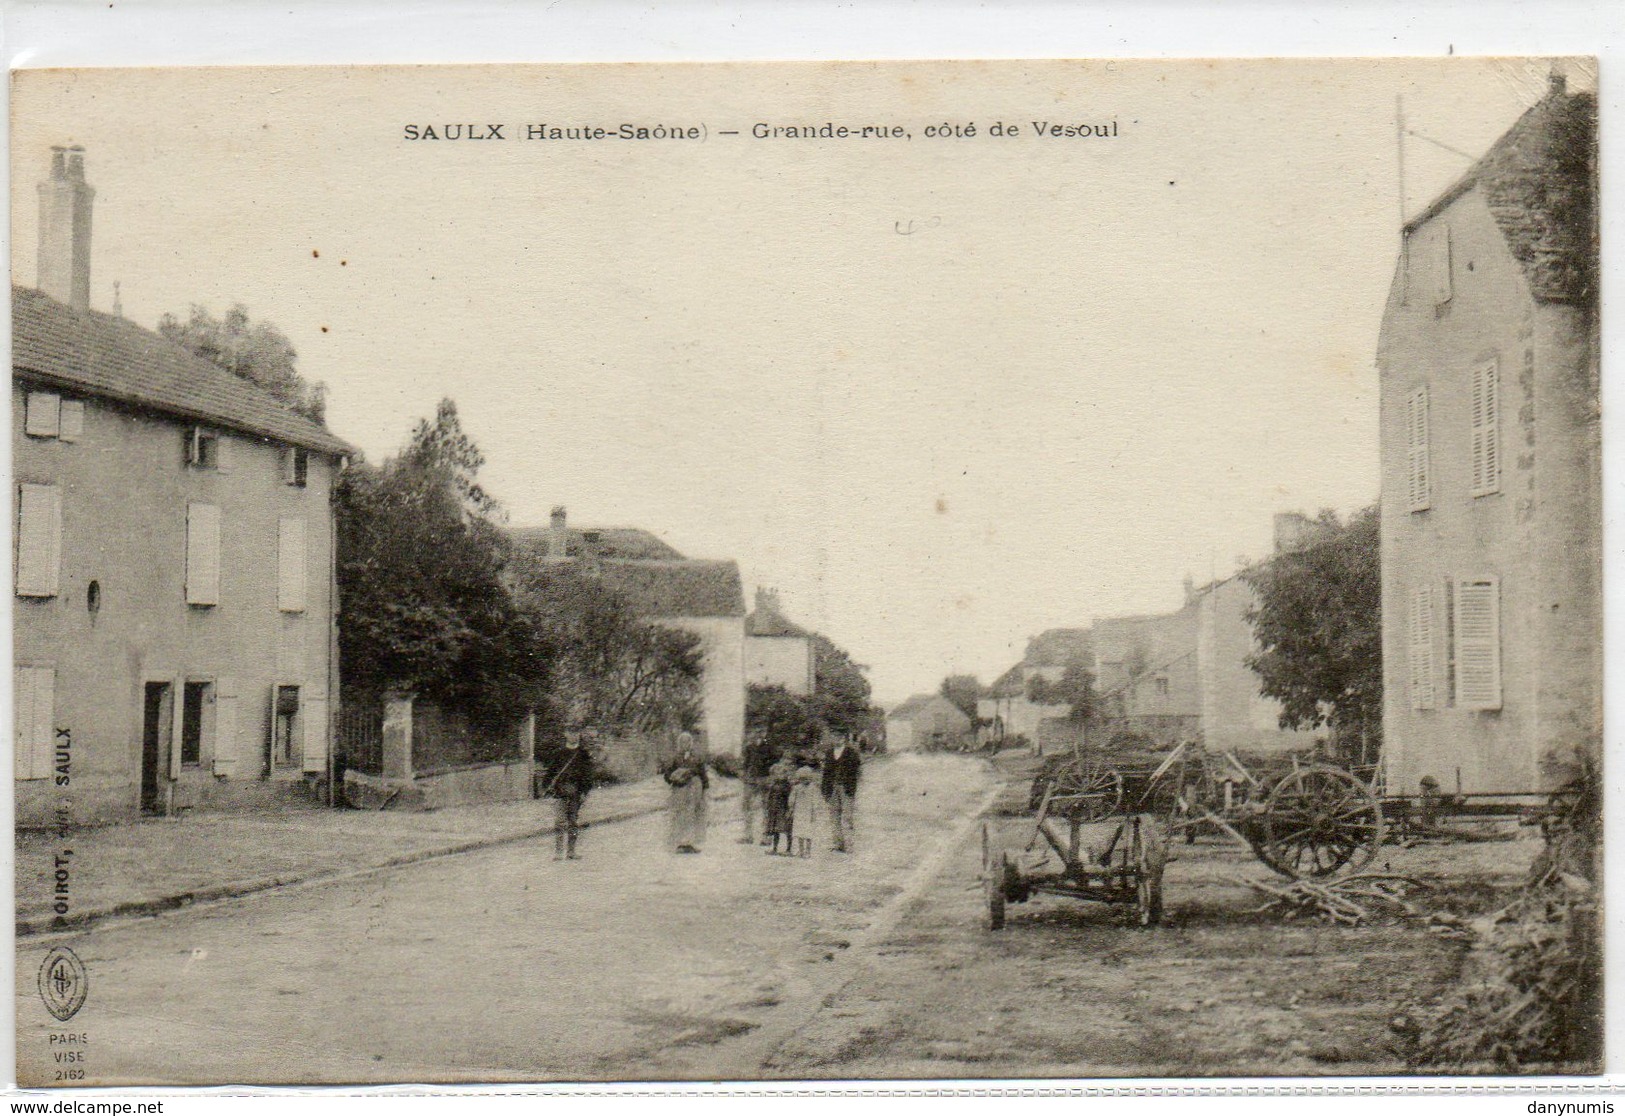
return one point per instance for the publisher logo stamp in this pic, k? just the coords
(63, 983)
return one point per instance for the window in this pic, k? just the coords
(43, 414)
(1160, 683)
(284, 725)
(1478, 643)
(1432, 257)
(202, 554)
(1421, 648)
(39, 540)
(295, 466)
(1418, 467)
(202, 448)
(290, 593)
(195, 701)
(34, 690)
(1486, 428)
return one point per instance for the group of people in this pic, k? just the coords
(791, 789)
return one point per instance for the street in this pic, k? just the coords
(503, 965)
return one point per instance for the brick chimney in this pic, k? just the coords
(64, 229)
(558, 535)
(767, 601)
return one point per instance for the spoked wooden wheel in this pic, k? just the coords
(993, 881)
(1148, 854)
(1317, 821)
(1086, 791)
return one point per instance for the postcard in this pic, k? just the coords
(806, 571)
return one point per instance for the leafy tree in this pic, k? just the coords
(1074, 689)
(840, 689)
(259, 352)
(441, 446)
(424, 606)
(611, 669)
(1318, 627)
(787, 720)
(964, 690)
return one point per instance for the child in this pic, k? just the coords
(778, 803)
(804, 795)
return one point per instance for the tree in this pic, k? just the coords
(1074, 689)
(1318, 627)
(786, 720)
(258, 352)
(840, 689)
(424, 606)
(611, 669)
(964, 690)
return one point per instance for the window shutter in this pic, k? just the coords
(202, 554)
(226, 752)
(1421, 648)
(1478, 643)
(270, 734)
(1486, 426)
(34, 691)
(313, 711)
(1417, 462)
(291, 564)
(222, 454)
(73, 420)
(1439, 265)
(39, 540)
(43, 414)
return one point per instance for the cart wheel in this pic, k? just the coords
(1317, 821)
(1090, 791)
(998, 869)
(1150, 859)
(987, 846)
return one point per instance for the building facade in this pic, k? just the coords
(925, 722)
(1491, 481)
(778, 652)
(173, 609)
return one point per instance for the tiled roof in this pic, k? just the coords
(597, 542)
(912, 706)
(1540, 182)
(1011, 684)
(106, 356)
(677, 587)
(771, 622)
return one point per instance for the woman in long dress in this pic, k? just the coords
(689, 784)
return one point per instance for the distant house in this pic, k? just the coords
(173, 617)
(701, 596)
(926, 721)
(777, 651)
(1491, 482)
(1007, 706)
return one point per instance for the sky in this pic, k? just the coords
(941, 394)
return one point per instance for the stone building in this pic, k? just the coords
(173, 617)
(779, 652)
(1491, 482)
(702, 596)
(925, 722)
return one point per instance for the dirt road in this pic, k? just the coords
(502, 965)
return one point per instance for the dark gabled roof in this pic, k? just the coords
(1540, 182)
(596, 542)
(769, 621)
(681, 587)
(1012, 683)
(1060, 646)
(912, 706)
(106, 356)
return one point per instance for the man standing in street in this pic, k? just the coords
(572, 774)
(840, 787)
(754, 766)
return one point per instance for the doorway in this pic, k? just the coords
(157, 731)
